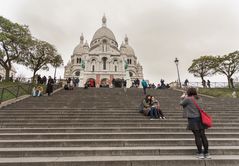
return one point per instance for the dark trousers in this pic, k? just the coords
(160, 113)
(153, 113)
(201, 140)
(145, 90)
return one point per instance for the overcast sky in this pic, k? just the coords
(158, 30)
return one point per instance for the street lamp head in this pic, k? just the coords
(176, 61)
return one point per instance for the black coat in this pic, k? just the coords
(49, 88)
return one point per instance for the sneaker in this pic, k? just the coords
(164, 118)
(200, 156)
(207, 156)
(160, 117)
(151, 119)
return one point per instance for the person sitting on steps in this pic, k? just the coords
(39, 90)
(155, 105)
(147, 109)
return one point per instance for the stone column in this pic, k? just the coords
(97, 81)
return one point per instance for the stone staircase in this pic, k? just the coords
(97, 127)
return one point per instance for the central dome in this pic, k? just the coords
(104, 32)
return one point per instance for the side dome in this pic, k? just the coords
(128, 49)
(79, 49)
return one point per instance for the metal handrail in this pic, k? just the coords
(19, 88)
(212, 84)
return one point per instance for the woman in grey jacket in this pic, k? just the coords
(194, 121)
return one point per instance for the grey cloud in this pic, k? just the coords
(158, 30)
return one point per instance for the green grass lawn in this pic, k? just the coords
(218, 92)
(9, 90)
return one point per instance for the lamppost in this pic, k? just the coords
(176, 62)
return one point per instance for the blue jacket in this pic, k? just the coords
(144, 84)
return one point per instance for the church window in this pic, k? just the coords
(115, 68)
(93, 68)
(77, 73)
(130, 74)
(130, 61)
(104, 45)
(104, 63)
(78, 60)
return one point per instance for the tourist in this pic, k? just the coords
(186, 83)
(66, 87)
(113, 83)
(71, 85)
(44, 80)
(39, 90)
(145, 85)
(208, 84)
(194, 121)
(148, 110)
(155, 105)
(77, 81)
(137, 82)
(204, 83)
(39, 79)
(68, 81)
(234, 94)
(125, 85)
(231, 82)
(49, 88)
(34, 91)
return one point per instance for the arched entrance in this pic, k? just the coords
(104, 82)
(91, 82)
(118, 83)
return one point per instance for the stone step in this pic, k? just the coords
(105, 124)
(114, 142)
(113, 151)
(143, 119)
(16, 136)
(99, 110)
(108, 129)
(163, 160)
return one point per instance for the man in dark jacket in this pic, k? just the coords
(49, 88)
(145, 85)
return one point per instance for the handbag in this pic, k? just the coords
(206, 119)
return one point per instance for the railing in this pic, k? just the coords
(213, 84)
(14, 91)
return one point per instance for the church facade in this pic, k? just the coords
(103, 60)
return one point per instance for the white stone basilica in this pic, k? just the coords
(103, 60)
